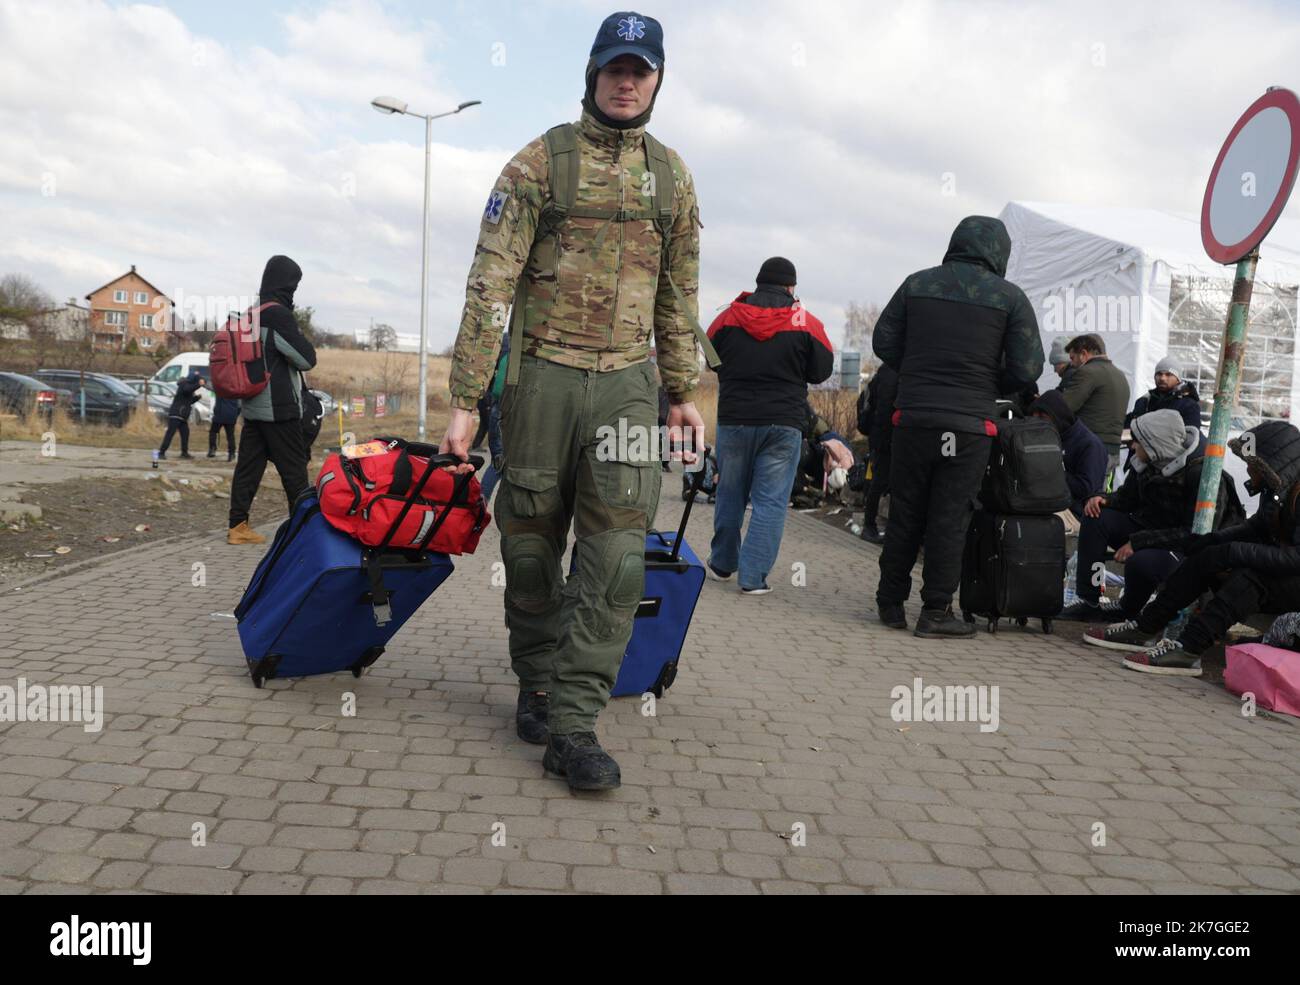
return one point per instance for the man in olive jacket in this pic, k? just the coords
(1097, 392)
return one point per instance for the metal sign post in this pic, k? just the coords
(1248, 188)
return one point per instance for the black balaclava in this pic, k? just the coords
(589, 101)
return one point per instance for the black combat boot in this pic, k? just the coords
(579, 759)
(941, 624)
(530, 716)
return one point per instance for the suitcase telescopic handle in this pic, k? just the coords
(697, 480)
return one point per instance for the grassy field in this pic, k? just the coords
(348, 373)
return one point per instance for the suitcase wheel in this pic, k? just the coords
(367, 658)
(1047, 626)
(264, 669)
(993, 625)
(665, 681)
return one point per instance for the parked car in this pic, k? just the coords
(23, 395)
(160, 399)
(108, 399)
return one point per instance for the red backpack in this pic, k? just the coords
(368, 497)
(235, 357)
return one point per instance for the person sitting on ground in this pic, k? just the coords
(1147, 518)
(1084, 454)
(1170, 392)
(178, 414)
(1250, 567)
(822, 451)
(1059, 360)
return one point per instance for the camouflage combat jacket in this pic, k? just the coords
(594, 295)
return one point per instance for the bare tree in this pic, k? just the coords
(859, 322)
(394, 373)
(21, 298)
(383, 337)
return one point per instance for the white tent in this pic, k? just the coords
(1140, 279)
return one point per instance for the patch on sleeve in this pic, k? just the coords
(496, 204)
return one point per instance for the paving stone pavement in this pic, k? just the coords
(772, 766)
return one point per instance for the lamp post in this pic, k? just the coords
(387, 104)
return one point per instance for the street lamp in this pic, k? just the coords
(387, 104)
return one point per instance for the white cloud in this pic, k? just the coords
(819, 131)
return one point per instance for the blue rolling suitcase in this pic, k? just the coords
(673, 579)
(320, 601)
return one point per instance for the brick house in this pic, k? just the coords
(130, 308)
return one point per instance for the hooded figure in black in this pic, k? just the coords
(960, 336)
(178, 414)
(273, 418)
(1251, 567)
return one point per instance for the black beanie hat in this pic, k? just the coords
(777, 270)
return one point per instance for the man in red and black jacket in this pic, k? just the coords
(771, 349)
(960, 336)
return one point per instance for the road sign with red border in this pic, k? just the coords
(1252, 177)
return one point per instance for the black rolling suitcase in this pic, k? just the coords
(1013, 567)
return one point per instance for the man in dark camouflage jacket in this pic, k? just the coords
(959, 336)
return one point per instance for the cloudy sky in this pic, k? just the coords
(196, 139)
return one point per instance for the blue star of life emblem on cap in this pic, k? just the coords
(631, 29)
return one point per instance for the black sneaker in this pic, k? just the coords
(941, 624)
(530, 716)
(1121, 636)
(186, 454)
(230, 457)
(717, 574)
(1167, 657)
(579, 759)
(892, 616)
(212, 454)
(1106, 610)
(872, 534)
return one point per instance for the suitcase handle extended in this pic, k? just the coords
(697, 480)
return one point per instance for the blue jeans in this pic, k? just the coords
(491, 474)
(756, 464)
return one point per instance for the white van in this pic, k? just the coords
(177, 368)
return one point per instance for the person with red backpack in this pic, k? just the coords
(273, 429)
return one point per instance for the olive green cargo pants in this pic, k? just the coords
(568, 637)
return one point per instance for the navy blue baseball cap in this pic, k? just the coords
(629, 33)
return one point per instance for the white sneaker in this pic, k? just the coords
(715, 574)
(755, 591)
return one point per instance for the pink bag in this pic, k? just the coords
(1269, 672)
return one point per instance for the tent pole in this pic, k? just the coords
(1225, 392)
